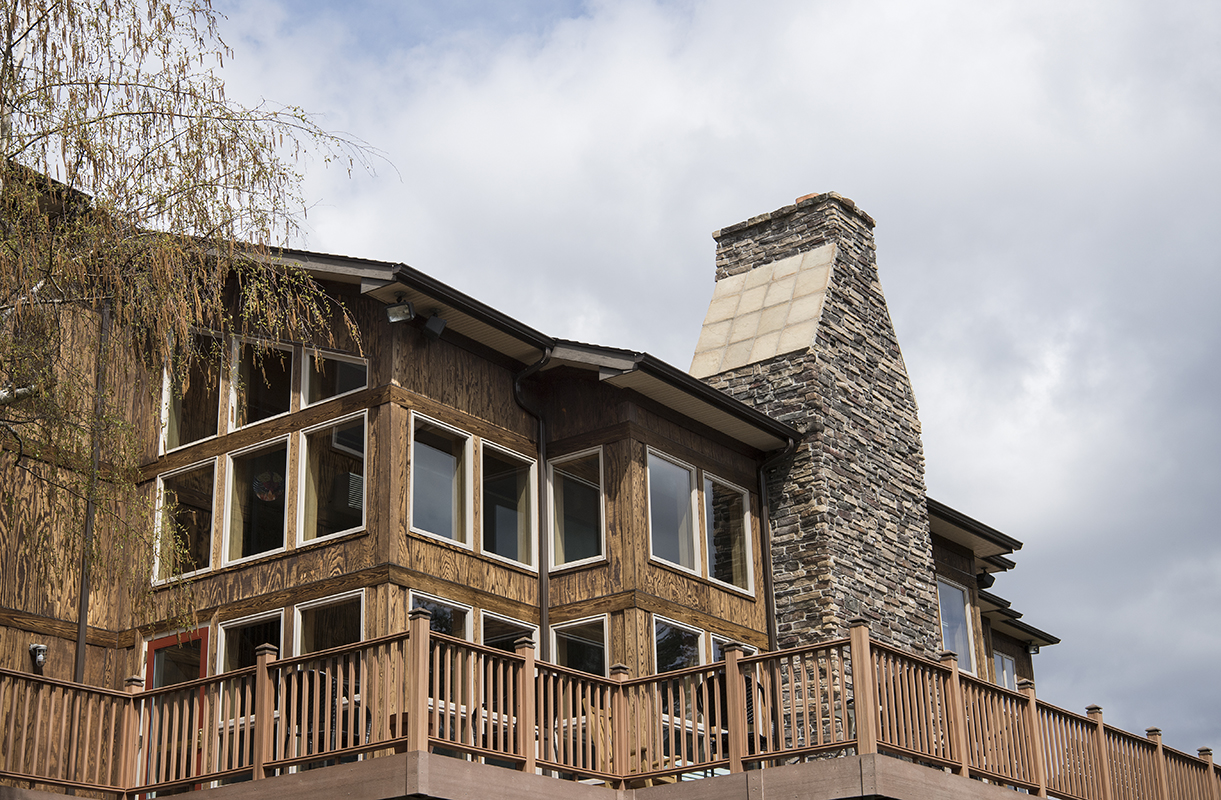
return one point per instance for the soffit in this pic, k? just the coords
(984, 541)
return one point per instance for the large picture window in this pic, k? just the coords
(728, 533)
(262, 385)
(676, 646)
(185, 535)
(328, 376)
(576, 496)
(671, 512)
(956, 623)
(256, 501)
(503, 633)
(332, 622)
(440, 475)
(192, 394)
(240, 638)
(508, 505)
(333, 479)
(581, 644)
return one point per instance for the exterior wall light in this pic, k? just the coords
(38, 655)
(400, 311)
(1032, 649)
(434, 326)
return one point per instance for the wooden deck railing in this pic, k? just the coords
(423, 691)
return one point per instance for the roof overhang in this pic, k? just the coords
(984, 541)
(1005, 619)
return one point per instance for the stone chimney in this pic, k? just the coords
(798, 328)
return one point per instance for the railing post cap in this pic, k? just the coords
(1093, 709)
(417, 613)
(1205, 752)
(524, 641)
(266, 648)
(736, 647)
(947, 655)
(1151, 732)
(134, 680)
(619, 669)
(858, 622)
(1025, 683)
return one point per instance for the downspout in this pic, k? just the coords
(544, 541)
(773, 634)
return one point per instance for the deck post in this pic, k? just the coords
(1026, 687)
(864, 684)
(417, 678)
(526, 709)
(1101, 757)
(1214, 785)
(264, 699)
(128, 742)
(619, 724)
(961, 753)
(1163, 779)
(735, 699)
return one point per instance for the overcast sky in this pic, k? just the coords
(1046, 178)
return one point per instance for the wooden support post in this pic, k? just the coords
(129, 742)
(957, 710)
(1214, 784)
(735, 699)
(527, 725)
(417, 678)
(264, 713)
(1163, 777)
(864, 687)
(619, 725)
(1026, 687)
(1101, 756)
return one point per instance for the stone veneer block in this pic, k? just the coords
(771, 310)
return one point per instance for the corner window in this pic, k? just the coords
(333, 479)
(508, 505)
(671, 512)
(185, 534)
(503, 633)
(328, 376)
(448, 618)
(728, 533)
(191, 391)
(256, 501)
(955, 623)
(1006, 671)
(240, 638)
(262, 384)
(676, 646)
(440, 475)
(576, 497)
(332, 622)
(581, 645)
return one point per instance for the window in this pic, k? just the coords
(576, 496)
(176, 658)
(503, 633)
(332, 622)
(676, 646)
(719, 643)
(256, 501)
(508, 507)
(581, 645)
(333, 479)
(239, 640)
(448, 618)
(1006, 671)
(191, 392)
(440, 475)
(328, 376)
(262, 385)
(671, 512)
(185, 535)
(955, 623)
(728, 533)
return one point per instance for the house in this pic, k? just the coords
(628, 518)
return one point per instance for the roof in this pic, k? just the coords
(985, 542)
(1005, 619)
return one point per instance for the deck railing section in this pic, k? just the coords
(425, 691)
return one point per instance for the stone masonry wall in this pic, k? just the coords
(850, 529)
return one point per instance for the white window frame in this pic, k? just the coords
(235, 355)
(468, 626)
(254, 448)
(701, 648)
(747, 531)
(724, 641)
(552, 565)
(532, 522)
(222, 629)
(1006, 660)
(159, 520)
(312, 352)
(485, 615)
(697, 550)
(468, 481)
(969, 665)
(302, 465)
(167, 389)
(330, 600)
(572, 623)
